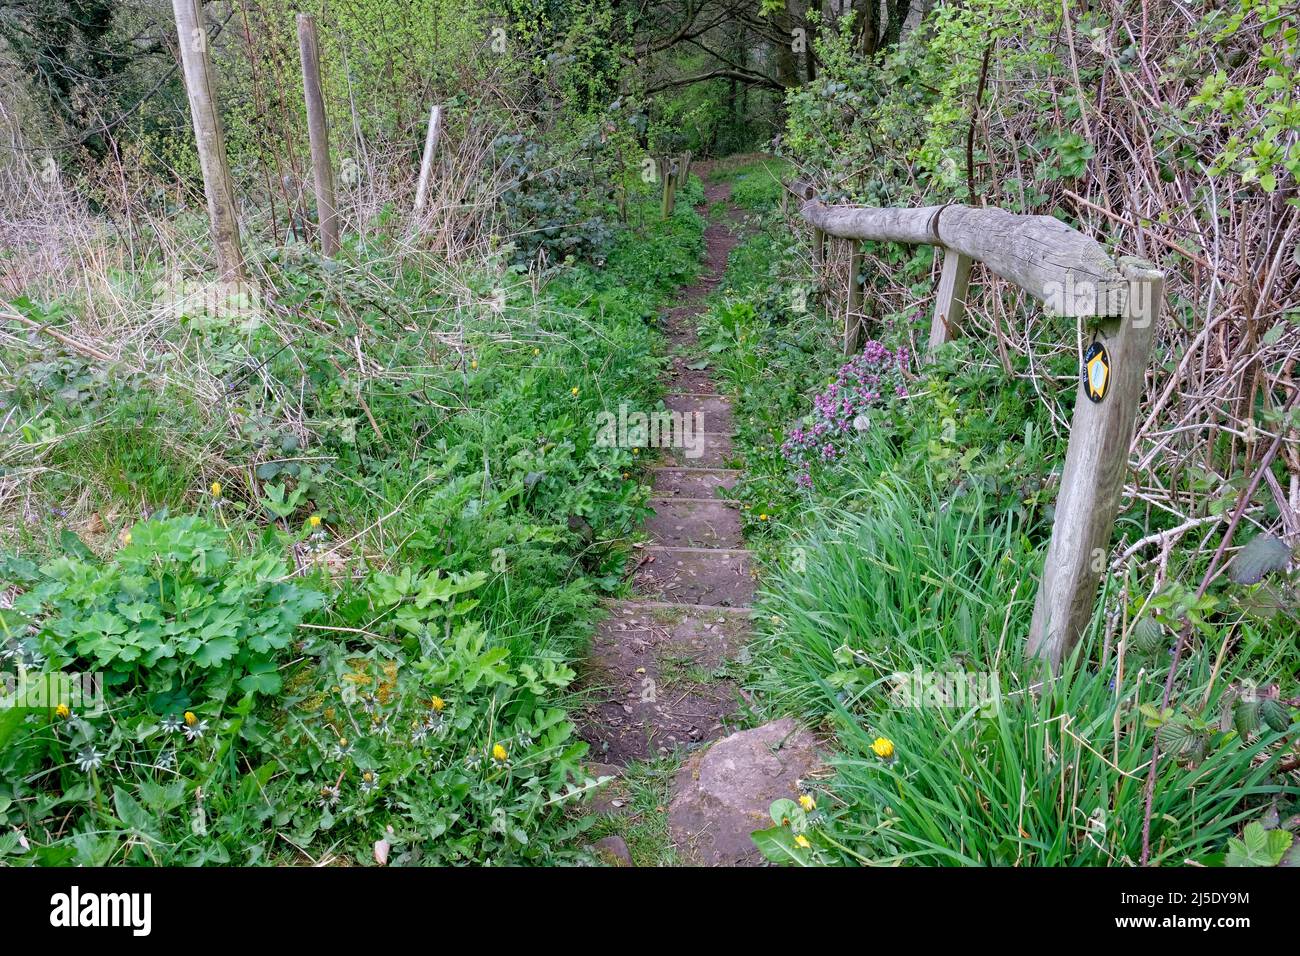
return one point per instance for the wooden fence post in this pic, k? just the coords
(318, 130)
(950, 302)
(1095, 464)
(665, 174)
(622, 187)
(209, 138)
(671, 170)
(426, 161)
(853, 326)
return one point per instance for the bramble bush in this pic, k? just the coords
(548, 199)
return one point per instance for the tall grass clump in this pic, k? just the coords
(901, 629)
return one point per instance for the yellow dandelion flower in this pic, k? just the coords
(191, 718)
(574, 390)
(368, 776)
(763, 517)
(802, 842)
(636, 451)
(216, 489)
(437, 703)
(473, 363)
(883, 747)
(807, 802)
(63, 711)
(537, 351)
(499, 753)
(314, 521)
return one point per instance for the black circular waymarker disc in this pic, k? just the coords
(1096, 371)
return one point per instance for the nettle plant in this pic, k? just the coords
(868, 382)
(172, 608)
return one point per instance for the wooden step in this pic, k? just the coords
(694, 523)
(711, 450)
(640, 700)
(689, 482)
(714, 411)
(696, 576)
(683, 379)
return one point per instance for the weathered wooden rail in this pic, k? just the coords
(1073, 275)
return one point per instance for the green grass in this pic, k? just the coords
(1052, 771)
(644, 788)
(424, 451)
(758, 186)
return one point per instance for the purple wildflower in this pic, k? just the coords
(840, 411)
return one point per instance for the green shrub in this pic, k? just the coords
(549, 201)
(173, 611)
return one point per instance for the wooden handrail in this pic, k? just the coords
(1073, 275)
(1056, 264)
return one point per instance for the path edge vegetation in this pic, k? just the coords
(337, 646)
(330, 523)
(888, 572)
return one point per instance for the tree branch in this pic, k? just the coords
(743, 76)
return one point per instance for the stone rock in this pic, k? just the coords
(722, 794)
(595, 769)
(608, 798)
(613, 850)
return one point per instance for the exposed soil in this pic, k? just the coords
(651, 679)
(701, 576)
(655, 679)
